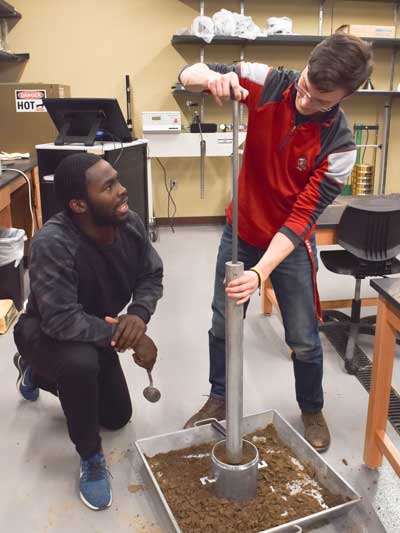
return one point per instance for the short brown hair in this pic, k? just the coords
(342, 61)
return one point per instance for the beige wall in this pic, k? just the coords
(91, 45)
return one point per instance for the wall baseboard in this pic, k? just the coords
(191, 221)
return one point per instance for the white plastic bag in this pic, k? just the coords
(11, 246)
(203, 27)
(183, 31)
(224, 22)
(279, 25)
(245, 27)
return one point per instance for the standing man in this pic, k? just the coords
(86, 264)
(299, 152)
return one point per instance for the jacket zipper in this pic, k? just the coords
(287, 138)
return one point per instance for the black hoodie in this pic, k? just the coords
(76, 282)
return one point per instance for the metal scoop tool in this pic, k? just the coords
(151, 393)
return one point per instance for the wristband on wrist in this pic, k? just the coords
(259, 275)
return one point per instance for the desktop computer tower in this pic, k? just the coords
(131, 165)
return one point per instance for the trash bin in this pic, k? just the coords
(11, 265)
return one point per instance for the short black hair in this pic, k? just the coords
(70, 177)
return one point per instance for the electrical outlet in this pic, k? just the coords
(173, 184)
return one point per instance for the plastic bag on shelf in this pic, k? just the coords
(279, 25)
(245, 27)
(183, 31)
(4, 35)
(224, 22)
(203, 27)
(11, 246)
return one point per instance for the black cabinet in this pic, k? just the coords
(130, 160)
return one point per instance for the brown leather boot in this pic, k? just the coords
(213, 408)
(316, 431)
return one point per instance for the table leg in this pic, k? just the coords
(382, 371)
(36, 197)
(268, 298)
(5, 208)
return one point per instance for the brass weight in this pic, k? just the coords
(362, 179)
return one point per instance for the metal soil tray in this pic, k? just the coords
(324, 474)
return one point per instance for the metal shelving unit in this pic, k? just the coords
(270, 40)
(308, 40)
(375, 92)
(9, 13)
(13, 58)
(286, 40)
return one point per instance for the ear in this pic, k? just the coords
(347, 96)
(78, 206)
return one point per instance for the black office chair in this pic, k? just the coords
(369, 232)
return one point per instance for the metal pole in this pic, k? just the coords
(385, 146)
(241, 106)
(392, 67)
(235, 174)
(202, 54)
(321, 16)
(234, 323)
(202, 102)
(202, 98)
(241, 59)
(128, 103)
(396, 16)
(375, 147)
(202, 167)
(234, 370)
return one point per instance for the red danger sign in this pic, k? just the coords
(28, 95)
(29, 101)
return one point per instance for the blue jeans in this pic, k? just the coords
(292, 281)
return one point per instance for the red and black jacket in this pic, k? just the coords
(293, 166)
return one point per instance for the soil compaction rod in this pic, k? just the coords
(234, 322)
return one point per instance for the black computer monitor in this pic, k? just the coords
(86, 120)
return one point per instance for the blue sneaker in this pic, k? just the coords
(24, 382)
(94, 483)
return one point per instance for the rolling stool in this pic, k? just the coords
(369, 232)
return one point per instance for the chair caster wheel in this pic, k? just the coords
(350, 367)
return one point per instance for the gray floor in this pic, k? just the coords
(40, 467)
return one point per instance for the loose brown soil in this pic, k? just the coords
(249, 454)
(287, 489)
(135, 488)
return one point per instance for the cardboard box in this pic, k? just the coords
(369, 30)
(24, 122)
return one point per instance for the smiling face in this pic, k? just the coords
(310, 100)
(107, 199)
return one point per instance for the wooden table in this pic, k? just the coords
(377, 442)
(14, 199)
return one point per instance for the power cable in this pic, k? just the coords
(170, 198)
